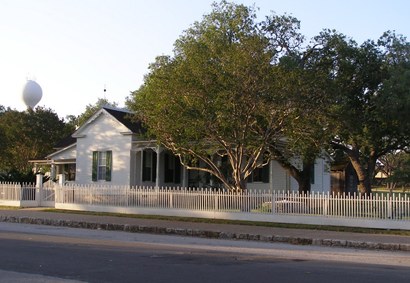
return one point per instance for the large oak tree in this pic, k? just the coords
(228, 92)
(371, 97)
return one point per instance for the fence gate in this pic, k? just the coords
(47, 197)
(37, 195)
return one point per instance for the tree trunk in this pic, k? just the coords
(304, 186)
(241, 189)
(365, 176)
(391, 186)
(239, 182)
(364, 186)
(301, 177)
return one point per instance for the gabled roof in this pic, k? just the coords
(122, 116)
(125, 118)
(67, 141)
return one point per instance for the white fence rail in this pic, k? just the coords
(10, 191)
(26, 195)
(376, 210)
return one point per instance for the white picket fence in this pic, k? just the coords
(374, 211)
(26, 195)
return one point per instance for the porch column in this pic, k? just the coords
(39, 188)
(272, 202)
(53, 171)
(61, 179)
(157, 181)
(39, 181)
(133, 168)
(184, 177)
(141, 166)
(271, 176)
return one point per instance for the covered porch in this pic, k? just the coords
(153, 165)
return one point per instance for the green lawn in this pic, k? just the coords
(385, 191)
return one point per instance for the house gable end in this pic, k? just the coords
(94, 124)
(125, 118)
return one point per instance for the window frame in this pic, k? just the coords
(172, 169)
(101, 165)
(149, 165)
(263, 175)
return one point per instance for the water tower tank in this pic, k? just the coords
(32, 94)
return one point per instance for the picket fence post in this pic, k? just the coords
(39, 188)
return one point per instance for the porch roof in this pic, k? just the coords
(61, 150)
(64, 161)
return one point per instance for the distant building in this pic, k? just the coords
(343, 178)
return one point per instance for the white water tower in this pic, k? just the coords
(32, 94)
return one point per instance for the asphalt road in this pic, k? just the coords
(33, 253)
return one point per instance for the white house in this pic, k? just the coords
(110, 149)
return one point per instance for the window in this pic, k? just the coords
(102, 165)
(260, 175)
(149, 166)
(172, 169)
(69, 172)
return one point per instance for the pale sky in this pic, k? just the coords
(73, 48)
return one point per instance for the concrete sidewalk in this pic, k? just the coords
(208, 230)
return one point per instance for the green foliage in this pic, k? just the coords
(397, 168)
(236, 87)
(90, 109)
(28, 135)
(370, 90)
(18, 176)
(226, 92)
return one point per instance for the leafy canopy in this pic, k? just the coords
(371, 95)
(28, 135)
(90, 109)
(223, 93)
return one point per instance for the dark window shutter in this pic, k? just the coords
(312, 173)
(177, 168)
(94, 166)
(154, 167)
(109, 165)
(265, 173)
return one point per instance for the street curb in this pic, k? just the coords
(206, 233)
